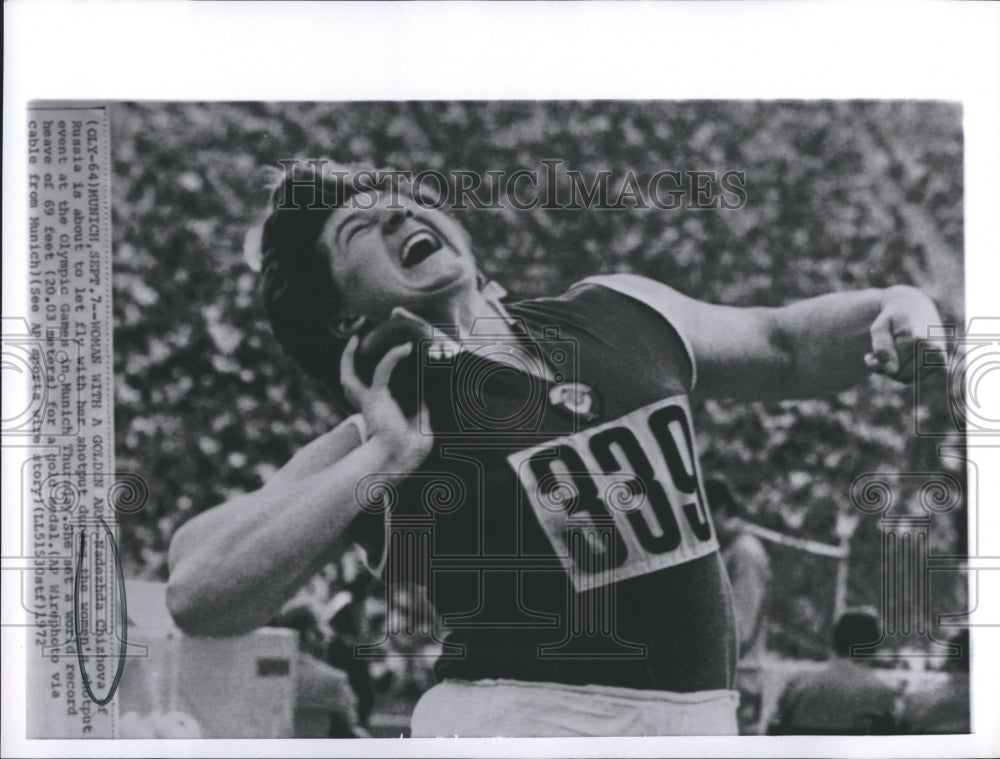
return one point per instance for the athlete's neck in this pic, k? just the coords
(487, 305)
(466, 311)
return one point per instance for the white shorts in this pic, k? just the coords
(521, 709)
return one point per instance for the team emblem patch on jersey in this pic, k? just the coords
(621, 499)
(576, 399)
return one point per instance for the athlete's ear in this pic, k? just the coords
(345, 326)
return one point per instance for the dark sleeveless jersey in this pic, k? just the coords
(560, 526)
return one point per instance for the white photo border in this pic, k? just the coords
(483, 51)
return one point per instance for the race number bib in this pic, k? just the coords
(622, 499)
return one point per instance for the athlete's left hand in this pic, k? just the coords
(906, 316)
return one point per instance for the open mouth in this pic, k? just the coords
(418, 247)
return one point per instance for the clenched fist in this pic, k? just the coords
(905, 318)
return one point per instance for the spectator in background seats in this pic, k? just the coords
(325, 705)
(350, 626)
(843, 698)
(749, 570)
(944, 709)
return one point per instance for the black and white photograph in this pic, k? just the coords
(588, 418)
(541, 419)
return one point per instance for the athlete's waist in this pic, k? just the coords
(505, 707)
(638, 696)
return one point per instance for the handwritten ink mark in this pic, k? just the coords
(76, 619)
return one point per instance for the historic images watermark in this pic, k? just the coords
(549, 186)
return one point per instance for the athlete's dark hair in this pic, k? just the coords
(855, 627)
(298, 292)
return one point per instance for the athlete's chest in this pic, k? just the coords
(561, 372)
(593, 468)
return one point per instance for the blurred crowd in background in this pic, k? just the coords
(839, 195)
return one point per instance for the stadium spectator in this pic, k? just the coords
(349, 624)
(325, 705)
(944, 709)
(749, 570)
(843, 698)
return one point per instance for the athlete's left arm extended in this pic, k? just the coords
(816, 346)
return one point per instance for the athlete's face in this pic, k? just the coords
(396, 253)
